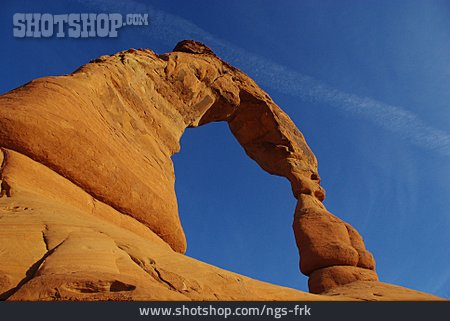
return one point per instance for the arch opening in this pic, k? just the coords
(234, 215)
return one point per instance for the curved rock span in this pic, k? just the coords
(88, 207)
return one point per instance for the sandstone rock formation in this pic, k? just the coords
(58, 243)
(88, 208)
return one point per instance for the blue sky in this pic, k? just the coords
(367, 82)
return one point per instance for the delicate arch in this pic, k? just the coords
(139, 104)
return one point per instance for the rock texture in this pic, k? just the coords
(58, 243)
(88, 208)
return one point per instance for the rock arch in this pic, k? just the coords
(112, 126)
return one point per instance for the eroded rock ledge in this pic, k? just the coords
(93, 149)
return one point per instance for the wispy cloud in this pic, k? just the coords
(170, 29)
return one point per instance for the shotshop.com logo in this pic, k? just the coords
(74, 25)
